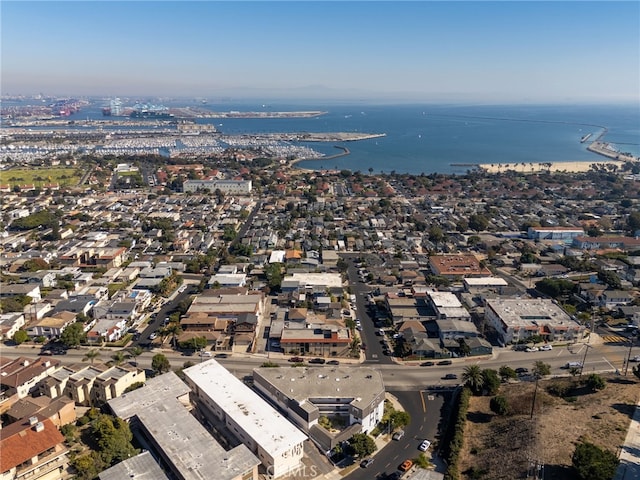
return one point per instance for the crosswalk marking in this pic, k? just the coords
(614, 339)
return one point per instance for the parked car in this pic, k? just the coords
(635, 359)
(521, 371)
(450, 376)
(546, 347)
(445, 362)
(205, 353)
(333, 362)
(366, 462)
(296, 360)
(222, 355)
(405, 466)
(153, 336)
(398, 435)
(317, 360)
(424, 446)
(532, 349)
(427, 364)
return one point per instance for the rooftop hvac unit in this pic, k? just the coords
(33, 420)
(39, 427)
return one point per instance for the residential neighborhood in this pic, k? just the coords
(244, 257)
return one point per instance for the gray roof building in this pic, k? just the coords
(157, 413)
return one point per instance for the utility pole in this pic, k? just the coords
(535, 392)
(628, 359)
(586, 350)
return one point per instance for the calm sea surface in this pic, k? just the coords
(433, 138)
(427, 138)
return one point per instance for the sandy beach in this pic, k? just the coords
(568, 167)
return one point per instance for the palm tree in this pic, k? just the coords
(118, 358)
(472, 376)
(91, 355)
(174, 330)
(135, 352)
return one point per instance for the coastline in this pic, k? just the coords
(567, 167)
(344, 153)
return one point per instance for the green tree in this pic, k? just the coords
(473, 378)
(73, 335)
(633, 221)
(478, 222)
(20, 337)
(91, 355)
(399, 419)
(541, 369)
(70, 432)
(118, 358)
(507, 373)
(490, 381)
(595, 382)
(174, 330)
(362, 444)
(436, 235)
(499, 405)
(160, 363)
(465, 350)
(273, 272)
(133, 386)
(88, 466)
(114, 439)
(135, 352)
(593, 463)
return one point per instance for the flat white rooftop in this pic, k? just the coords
(331, 280)
(486, 281)
(274, 433)
(444, 299)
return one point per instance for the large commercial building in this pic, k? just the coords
(230, 187)
(566, 234)
(518, 319)
(354, 396)
(457, 266)
(159, 417)
(223, 399)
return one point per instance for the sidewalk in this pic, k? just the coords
(629, 467)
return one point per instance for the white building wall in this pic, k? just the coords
(371, 421)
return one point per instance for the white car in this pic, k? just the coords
(153, 336)
(546, 347)
(635, 359)
(424, 446)
(532, 349)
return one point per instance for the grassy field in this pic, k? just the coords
(40, 176)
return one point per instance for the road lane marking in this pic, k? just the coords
(609, 363)
(424, 406)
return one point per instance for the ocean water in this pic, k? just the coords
(434, 138)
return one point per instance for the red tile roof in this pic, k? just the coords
(21, 442)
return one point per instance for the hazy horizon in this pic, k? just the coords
(361, 51)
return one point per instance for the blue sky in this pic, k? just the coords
(509, 51)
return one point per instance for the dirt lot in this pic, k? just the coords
(506, 447)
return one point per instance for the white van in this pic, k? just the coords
(573, 365)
